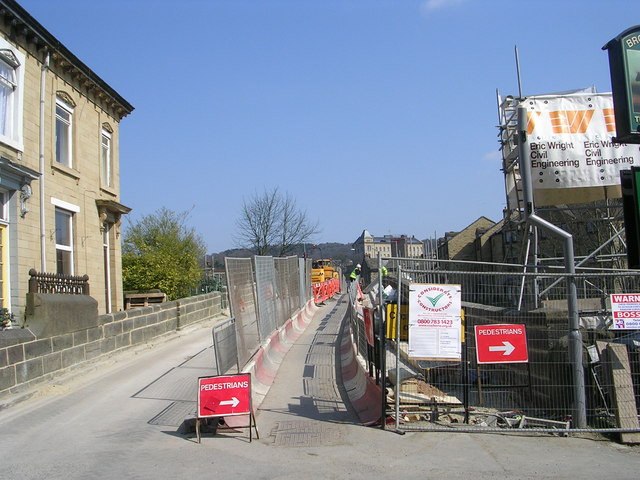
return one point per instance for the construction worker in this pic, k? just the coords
(355, 274)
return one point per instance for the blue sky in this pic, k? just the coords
(372, 114)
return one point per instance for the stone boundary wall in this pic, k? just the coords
(26, 360)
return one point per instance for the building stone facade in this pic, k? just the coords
(467, 244)
(59, 165)
(368, 246)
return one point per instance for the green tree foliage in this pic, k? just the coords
(161, 252)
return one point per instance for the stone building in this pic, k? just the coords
(60, 209)
(468, 243)
(368, 246)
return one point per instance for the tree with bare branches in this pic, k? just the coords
(272, 222)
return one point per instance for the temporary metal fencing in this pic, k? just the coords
(225, 346)
(264, 292)
(304, 266)
(242, 300)
(288, 278)
(267, 295)
(539, 394)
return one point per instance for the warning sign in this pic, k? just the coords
(625, 310)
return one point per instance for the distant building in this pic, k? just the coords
(60, 209)
(368, 246)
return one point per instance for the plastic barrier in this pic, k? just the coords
(325, 290)
(364, 394)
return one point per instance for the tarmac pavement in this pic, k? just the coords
(122, 420)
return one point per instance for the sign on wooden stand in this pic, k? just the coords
(225, 396)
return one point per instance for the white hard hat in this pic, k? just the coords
(358, 266)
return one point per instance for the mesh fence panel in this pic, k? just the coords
(243, 307)
(225, 346)
(540, 393)
(293, 266)
(266, 292)
(288, 286)
(308, 266)
(304, 280)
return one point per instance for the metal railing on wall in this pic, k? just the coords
(58, 283)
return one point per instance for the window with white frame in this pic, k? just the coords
(11, 95)
(64, 130)
(106, 159)
(64, 241)
(3, 207)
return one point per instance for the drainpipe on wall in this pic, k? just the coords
(43, 79)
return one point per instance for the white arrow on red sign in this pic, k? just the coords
(506, 348)
(501, 343)
(233, 402)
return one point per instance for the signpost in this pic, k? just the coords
(501, 344)
(225, 396)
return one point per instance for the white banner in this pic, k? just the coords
(435, 321)
(569, 141)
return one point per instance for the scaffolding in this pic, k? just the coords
(597, 225)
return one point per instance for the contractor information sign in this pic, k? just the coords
(625, 311)
(569, 141)
(435, 321)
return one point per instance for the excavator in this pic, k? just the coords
(322, 270)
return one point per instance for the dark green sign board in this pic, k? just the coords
(624, 65)
(630, 185)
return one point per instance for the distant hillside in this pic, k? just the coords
(341, 253)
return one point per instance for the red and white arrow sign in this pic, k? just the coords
(507, 348)
(224, 395)
(503, 343)
(233, 402)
